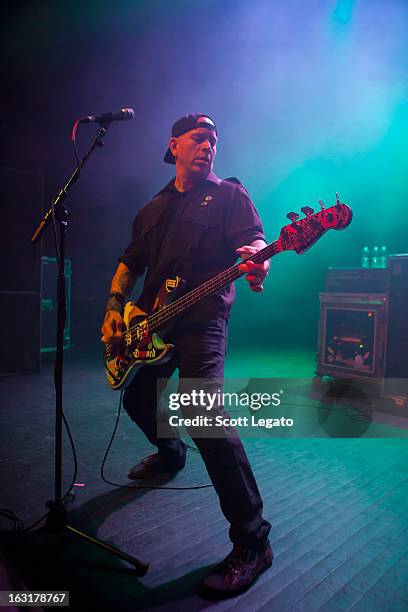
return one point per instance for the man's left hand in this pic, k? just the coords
(256, 272)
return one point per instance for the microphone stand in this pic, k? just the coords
(57, 515)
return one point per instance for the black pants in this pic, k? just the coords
(199, 353)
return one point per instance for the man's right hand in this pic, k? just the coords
(112, 328)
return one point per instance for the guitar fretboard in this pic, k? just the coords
(214, 284)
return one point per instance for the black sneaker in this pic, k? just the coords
(237, 572)
(152, 466)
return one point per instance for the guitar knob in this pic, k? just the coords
(307, 210)
(292, 216)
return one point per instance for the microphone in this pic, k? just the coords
(124, 114)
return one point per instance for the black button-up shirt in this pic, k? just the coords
(192, 234)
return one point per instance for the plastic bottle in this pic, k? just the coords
(383, 257)
(365, 257)
(375, 257)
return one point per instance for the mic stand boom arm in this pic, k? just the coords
(57, 515)
(97, 142)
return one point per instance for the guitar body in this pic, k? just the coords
(139, 346)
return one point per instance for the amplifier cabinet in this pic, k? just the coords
(356, 280)
(20, 345)
(49, 305)
(352, 333)
(397, 339)
(21, 196)
(396, 353)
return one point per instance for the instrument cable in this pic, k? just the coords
(19, 525)
(115, 484)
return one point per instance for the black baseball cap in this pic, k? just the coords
(185, 124)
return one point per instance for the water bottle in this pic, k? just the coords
(375, 257)
(383, 257)
(365, 257)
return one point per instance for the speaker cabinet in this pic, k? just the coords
(396, 352)
(49, 305)
(20, 345)
(21, 195)
(352, 334)
(365, 336)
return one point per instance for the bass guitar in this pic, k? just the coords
(141, 345)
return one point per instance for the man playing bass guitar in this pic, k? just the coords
(194, 227)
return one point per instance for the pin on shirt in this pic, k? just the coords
(206, 200)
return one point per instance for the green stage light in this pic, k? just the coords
(343, 11)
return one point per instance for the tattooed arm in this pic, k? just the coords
(121, 287)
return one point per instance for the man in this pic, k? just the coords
(195, 227)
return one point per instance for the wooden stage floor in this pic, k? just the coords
(338, 505)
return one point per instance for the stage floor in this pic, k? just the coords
(338, 504)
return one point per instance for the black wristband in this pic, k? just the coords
(116, 301)
(119, 296)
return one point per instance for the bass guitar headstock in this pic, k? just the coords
(303, 232)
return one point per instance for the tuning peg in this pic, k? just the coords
(307, 210)
(292, 216)
(337, 198)
(322, 206)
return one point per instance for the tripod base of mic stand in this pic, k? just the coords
(57, 521)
